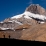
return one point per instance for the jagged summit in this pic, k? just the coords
(36, 9)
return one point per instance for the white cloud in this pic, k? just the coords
(30, 2)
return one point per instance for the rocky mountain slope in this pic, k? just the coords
(30, 25)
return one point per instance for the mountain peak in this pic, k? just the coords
(30, 25)
(36, 9)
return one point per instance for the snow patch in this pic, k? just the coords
(16, 22)
(41, 22)
(21, 15)
(27, 17)
(17, 16)
(1, 22)
(41, 17)
(3, 28)
(6, 28)
(19, 23)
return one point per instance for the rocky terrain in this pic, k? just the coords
(30, 25)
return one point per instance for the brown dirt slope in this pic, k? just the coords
(37, 33)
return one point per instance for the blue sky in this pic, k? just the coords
(9, 8)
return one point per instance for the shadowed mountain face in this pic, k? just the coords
(26, 26)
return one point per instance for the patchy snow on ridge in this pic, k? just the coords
(19, 23)
(41, 17)
(29, 15)
(17, 16)
(3, 28)
(1, 22)
(41, 22)
(16, 22)
(6, 28)
(20, 15)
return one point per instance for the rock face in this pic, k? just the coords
(13, 24)
(37, 9)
